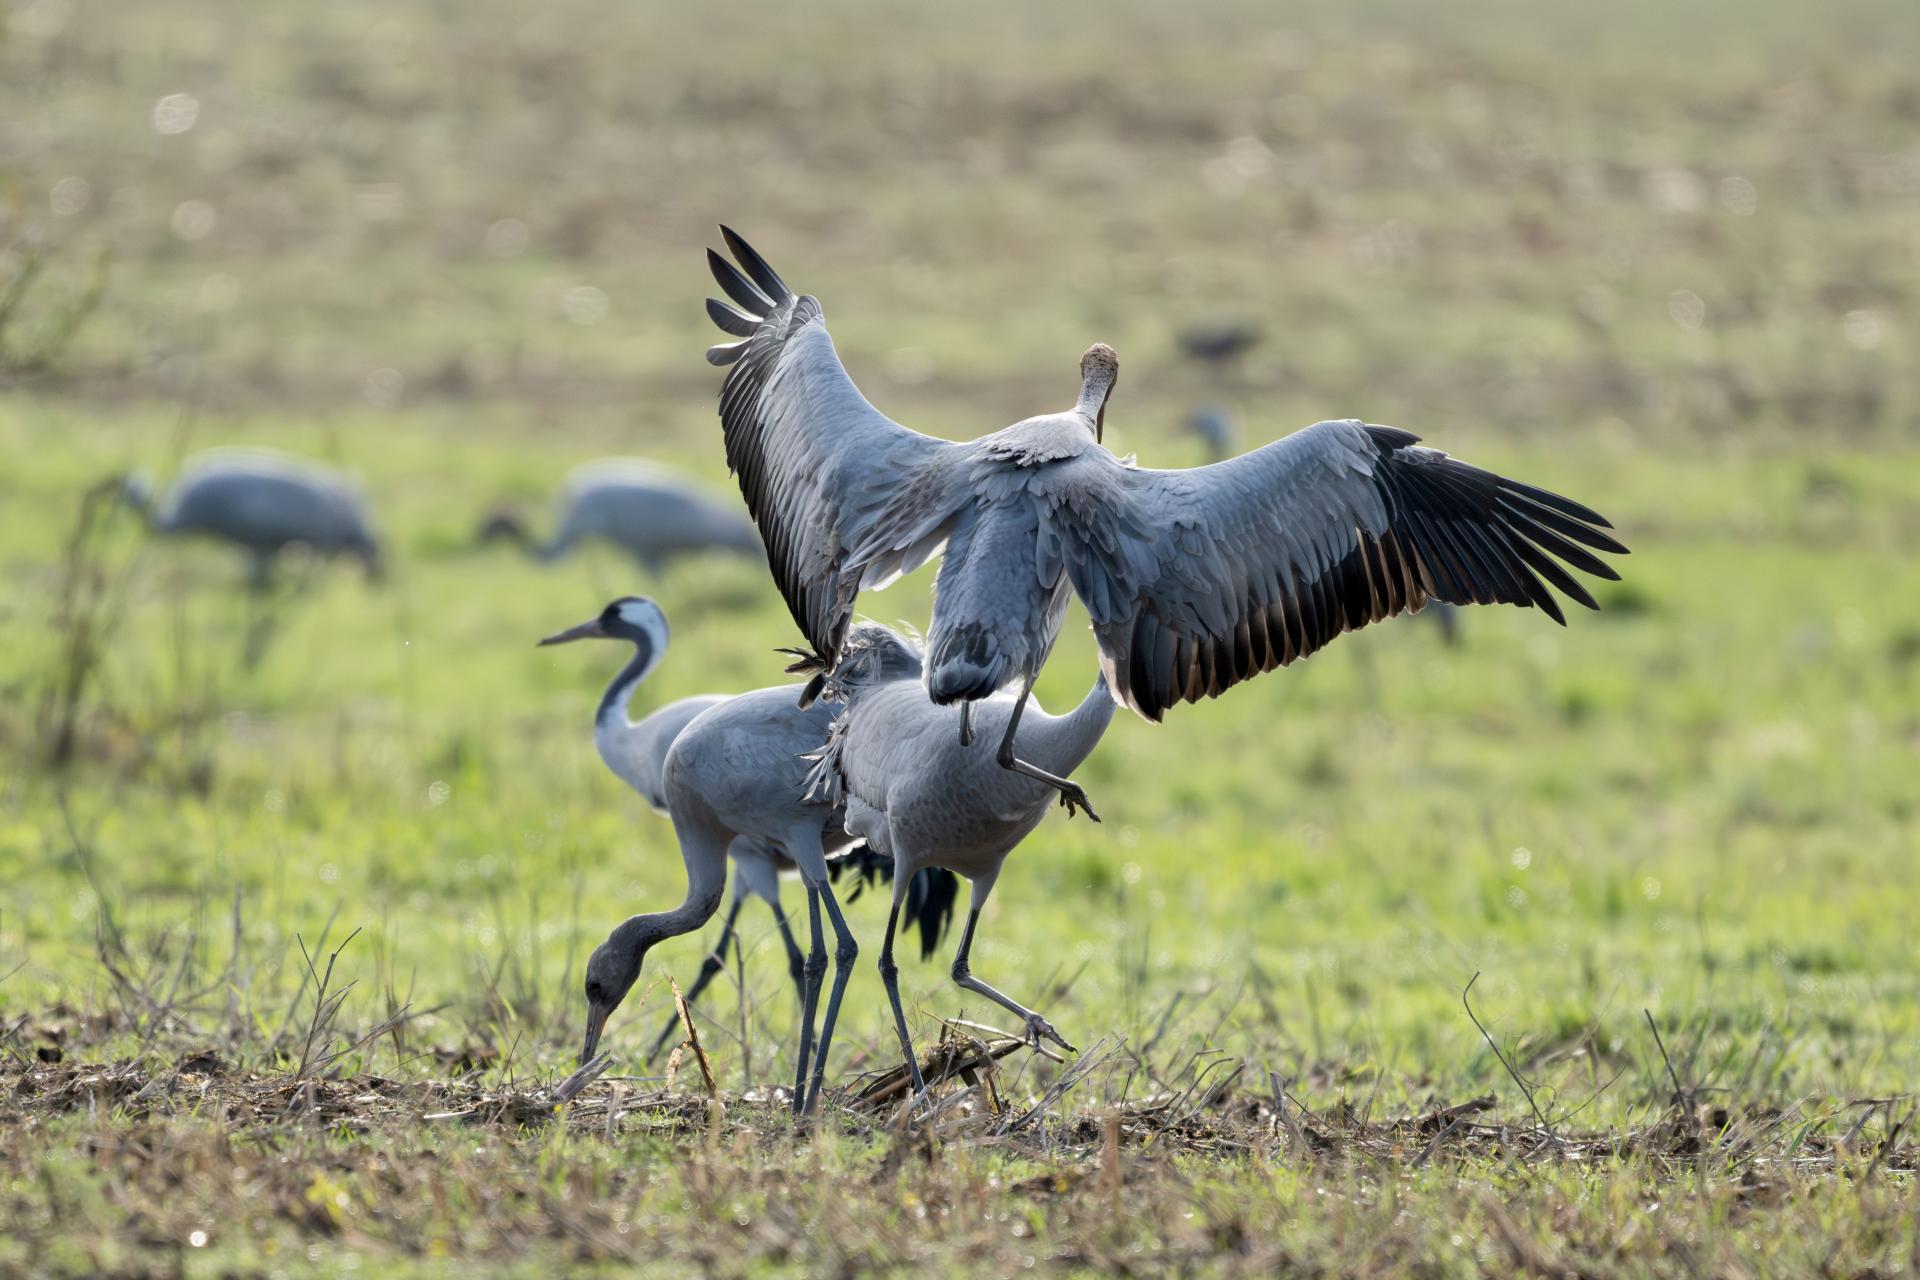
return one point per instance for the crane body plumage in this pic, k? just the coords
(911, 789)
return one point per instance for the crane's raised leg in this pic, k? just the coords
(1037, 1026)
(1072, 794)
(716, 960)
(809, 1000)
(890, 976)
(845, 952)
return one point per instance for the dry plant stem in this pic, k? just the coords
(1537, 1113)
(326, 1005)
(1682, 1099)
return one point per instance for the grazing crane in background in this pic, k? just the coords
(738, 762)
(652, 512)
(912, 790)
(1214, 426)
(1220, 343)
(1196, 580)
(263, 503)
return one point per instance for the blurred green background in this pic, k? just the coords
(1663, 258)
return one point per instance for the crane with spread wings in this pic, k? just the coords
(1196, 580)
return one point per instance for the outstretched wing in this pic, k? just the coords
(1200, 579)
(844, 496)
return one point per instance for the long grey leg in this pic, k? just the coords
(1037, 1026)
(966, 724)
(844, 954)
(1072, 794)
(890, 975)
(809, 1000)
(716, 960)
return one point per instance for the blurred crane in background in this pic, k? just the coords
(265, 504)
(1214, 427)
(653, 513)
(1219, 344)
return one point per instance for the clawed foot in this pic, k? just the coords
(1074, 797)
(1038, 1028)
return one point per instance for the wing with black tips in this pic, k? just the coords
(844, 497)
(1198, 580)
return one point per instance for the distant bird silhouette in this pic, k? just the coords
(655, 514)
(911, 790)
(1196, 580)
(1214, 426)
(263, 503)
(1219, 343)
(737, 761)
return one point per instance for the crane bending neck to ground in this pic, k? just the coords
(732, 770)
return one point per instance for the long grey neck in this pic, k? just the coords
(1060, 744)
(613, 704)
(705, 855)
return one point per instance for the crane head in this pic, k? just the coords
(612, 970)
(632, 618)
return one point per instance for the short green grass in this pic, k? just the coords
(1663, 261)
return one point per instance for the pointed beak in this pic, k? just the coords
(596, 1023)
(588, 630)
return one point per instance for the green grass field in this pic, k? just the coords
(1663, 259)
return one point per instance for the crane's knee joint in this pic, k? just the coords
(846, 952)
(888, 969)
(960, 971)
(816, 964)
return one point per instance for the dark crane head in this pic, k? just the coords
(612, 970)
(632, 618)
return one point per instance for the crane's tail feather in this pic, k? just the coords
(931, 895)
(864, 864)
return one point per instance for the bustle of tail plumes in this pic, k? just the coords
(931, 894)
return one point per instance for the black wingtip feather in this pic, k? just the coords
(737, 286)
(737, 323)
(1550, 499)
(756, 266)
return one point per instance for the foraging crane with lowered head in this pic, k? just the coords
(1196, 580)
(738, 760)
(263, 503)
(652, 512)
